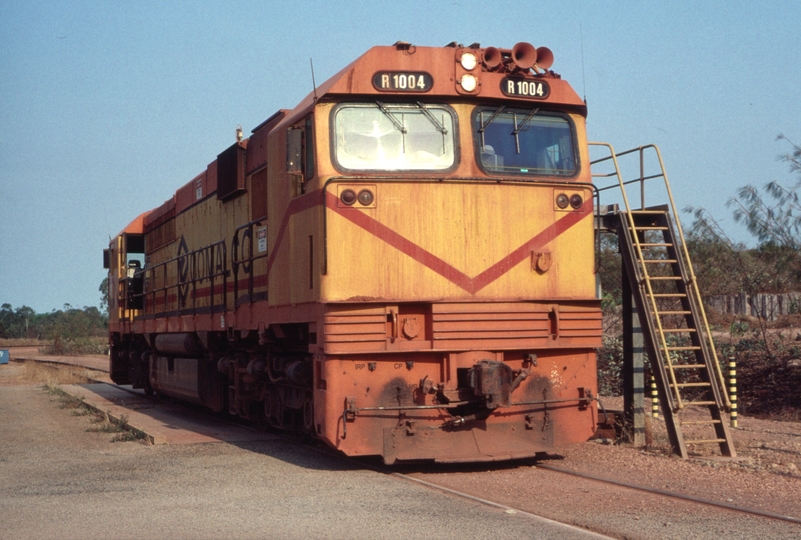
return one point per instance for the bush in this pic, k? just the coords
(61, 346)
(610, 367)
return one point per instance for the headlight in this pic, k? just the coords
(469, 61)
(562, 201)
(348, 197)
(468, 82)
(366, 197)
(576, 201)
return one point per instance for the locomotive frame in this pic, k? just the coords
(368, 269)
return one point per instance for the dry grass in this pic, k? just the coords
(51, 376)
(33, 373)
(19, 342)
(102, 421)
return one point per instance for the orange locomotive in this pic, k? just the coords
(402, 265)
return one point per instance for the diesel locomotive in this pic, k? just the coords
(402, 265)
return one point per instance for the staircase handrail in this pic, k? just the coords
(686, 254)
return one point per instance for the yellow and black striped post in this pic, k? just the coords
(654, 399)
(733, 391)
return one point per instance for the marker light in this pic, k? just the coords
(348, 197)
(468, 82)
(366, 197)
(576, 201)
(562, 201)
(469, 61)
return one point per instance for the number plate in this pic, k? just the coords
(525, 88)
(402, 81)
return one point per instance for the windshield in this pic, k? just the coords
(394, 137)
(520, 141)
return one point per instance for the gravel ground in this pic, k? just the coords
(57, 480)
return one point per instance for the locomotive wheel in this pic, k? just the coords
(308, 416)
(268, 407)
(278, 414)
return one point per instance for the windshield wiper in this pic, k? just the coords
(397, 123)
(392, 117)
(437, 124)
(517, 129)
(488, 122)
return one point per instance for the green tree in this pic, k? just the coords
(773, 215)
(104, 295)
(17, 323)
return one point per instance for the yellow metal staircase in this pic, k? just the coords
(678, 341)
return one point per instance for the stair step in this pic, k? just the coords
(688, 366)
(654, 244)
(664, 278)
(706, 441)
(689, 348)
(669, 295)
(700, 422)
(649, 228)
(673, 312)
(678, 330)
(690, 384)
(699, 403)
(654, 261)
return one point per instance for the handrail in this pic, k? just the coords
(245, 263)
(150, 293)
(216, 257)
(686, 255)
(644, 270)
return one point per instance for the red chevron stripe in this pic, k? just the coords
(443, 268)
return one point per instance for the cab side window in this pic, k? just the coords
(300, 155)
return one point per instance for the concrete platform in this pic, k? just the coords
(161, 423)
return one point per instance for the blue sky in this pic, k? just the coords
(106, 107)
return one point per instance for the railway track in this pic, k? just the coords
(674, 495)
